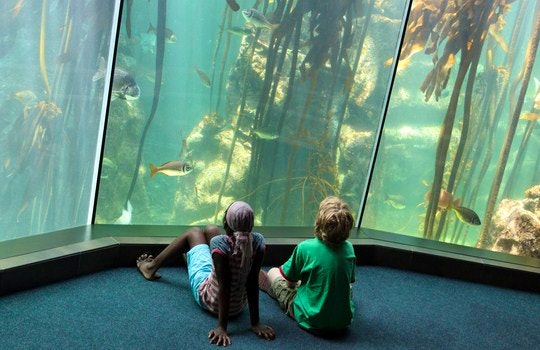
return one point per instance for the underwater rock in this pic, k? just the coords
(197, 195)
(516, 225)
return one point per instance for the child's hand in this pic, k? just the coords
(219, 336)
(264, 331)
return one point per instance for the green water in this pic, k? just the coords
(279, 116)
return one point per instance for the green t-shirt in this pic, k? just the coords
(323, 301)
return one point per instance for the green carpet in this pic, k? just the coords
(118, 309)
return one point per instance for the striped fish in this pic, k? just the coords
(172, 168)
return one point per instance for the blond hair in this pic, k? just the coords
(334, 221)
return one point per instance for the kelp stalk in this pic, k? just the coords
(214, 60)
(235, 133)
(42, 63)
(288, 95)
(160, 50)
(476, 50)
(442, 149)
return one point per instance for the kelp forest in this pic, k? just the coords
(483, 190)
(305, 79)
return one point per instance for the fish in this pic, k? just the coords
(172, 168)
(447, 202)
(240, 31)
(257, 19)
(395, 201)
(264, 135)
(125, 218)
(170, 37)
(445, 199)
(17, 8)
(204, 77)
(107, 163)
(25, 97)
(124, 85)
(530, 116)
(466, 215)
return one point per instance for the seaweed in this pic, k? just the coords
(485, 240)
(241, 116)
(160, 49)
(50, 132)
(462, 28)
(329, 30)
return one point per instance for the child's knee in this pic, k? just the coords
(273, 273)
(194, 231)
(211, 231)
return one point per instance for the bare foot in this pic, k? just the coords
(142, 264)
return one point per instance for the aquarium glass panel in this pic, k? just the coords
(51, 111)
(278, 106)
(459, 160)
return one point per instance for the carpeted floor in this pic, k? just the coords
(118, 309)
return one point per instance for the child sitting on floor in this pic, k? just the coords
(223, 269)
(314, 285)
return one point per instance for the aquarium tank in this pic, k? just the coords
(422, 115)
(52, 112)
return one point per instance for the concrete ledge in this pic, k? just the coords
(91, 253)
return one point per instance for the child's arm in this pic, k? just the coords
(219, 335)
(252, 289)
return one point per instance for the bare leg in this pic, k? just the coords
(148, 265)
(266, 279)
(273, 273)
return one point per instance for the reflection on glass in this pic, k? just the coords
(50, 111)
(276, 105)
(459, 160)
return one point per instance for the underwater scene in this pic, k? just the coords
(276, 103)
(459, 157)
(422, 115)
(50, 111)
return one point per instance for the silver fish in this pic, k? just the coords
(257, 19)
(124, 85)
(263, 135)
(172, 168)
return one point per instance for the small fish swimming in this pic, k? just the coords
(445, 199)
(172, 168)
(25, 97)
(204, 77)
(170, 37)
(395, 201)
(17, 8)
(447, 202)
(257, 19)
(264, 135)
(530, 116)
(466, 215)
(124, 85)
(125, 218)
